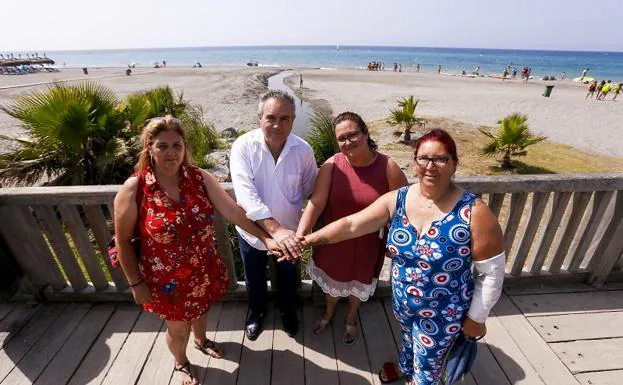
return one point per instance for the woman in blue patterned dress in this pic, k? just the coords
(437, 233)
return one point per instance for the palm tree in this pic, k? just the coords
(322, 137)
(74, 134)
(405, 116)
(511, 139)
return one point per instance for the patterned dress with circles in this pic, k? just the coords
(432, 285)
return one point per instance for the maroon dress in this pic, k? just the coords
(351, 267)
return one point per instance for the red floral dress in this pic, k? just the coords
(179, 261)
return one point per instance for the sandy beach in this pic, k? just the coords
(229, 98)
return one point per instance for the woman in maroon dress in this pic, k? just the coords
(348, 182)
(178, 272)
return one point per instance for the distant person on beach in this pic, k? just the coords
(514, 74)
(605, 90)
(347, 183)
(439, 69)
(476, 71)
(164, 63)
(504, 73)
(417, 68)
(438, 233)
(591, 89)
(301, 81)
(616, 91)
(273, 171)
(584, 72)
(399, 67)
(563, 76)
(599, 87)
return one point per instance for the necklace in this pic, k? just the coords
(430, 202)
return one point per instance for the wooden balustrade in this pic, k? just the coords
(555, 226)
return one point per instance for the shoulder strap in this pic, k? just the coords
(139, 201)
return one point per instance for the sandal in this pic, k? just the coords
(186, 370)
(320, 325)
(210, 348)
(390, 372)
(350, 334)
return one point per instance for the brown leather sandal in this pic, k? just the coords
(185, 368)
(210, 348)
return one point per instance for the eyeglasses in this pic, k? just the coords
(437, 162)
(351, 138)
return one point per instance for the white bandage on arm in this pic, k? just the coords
(487, 286)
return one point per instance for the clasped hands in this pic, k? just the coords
(286, 245)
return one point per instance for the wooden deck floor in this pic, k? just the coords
(559, 336)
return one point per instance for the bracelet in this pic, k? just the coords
(138, 283)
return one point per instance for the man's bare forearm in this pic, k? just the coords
(270, 225)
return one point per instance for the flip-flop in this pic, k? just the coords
(186, 370)
(210, 348)
(390, 372)
(350, 334)
(320, 325)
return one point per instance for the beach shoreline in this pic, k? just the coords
(229, 95)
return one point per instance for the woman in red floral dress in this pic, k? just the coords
(179, 271)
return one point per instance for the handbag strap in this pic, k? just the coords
(139, 201)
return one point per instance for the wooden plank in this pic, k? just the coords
(97, 221)
(58, 241)
(288, 367)
(13, 352)
(518, 201)
(539, 201)
(591, 355)
(609, 248)
(509, 357)
(15, 321)
(214, 319)
(378, 336)
(78, 232)
(103, 352)
(6, 309)
(68, 358)
(569, 303)
(256, 358)
(40, 247)
(230, 335)
(611, 217)
(111, 211)
(36, 360)
(495, 203)
(15, 233)
(560, 201)
(549, 368)
(571, 327)
(353, 367)
(158, 367)
(224, 248)
(486, 370)
(578, 207)
(559, 288)
(601, 201)
(611, 377)
(129, 362)
(393, 323)
(319, 351)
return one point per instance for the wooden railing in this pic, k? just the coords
(567, 227)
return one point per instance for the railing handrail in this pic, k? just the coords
(103, 194)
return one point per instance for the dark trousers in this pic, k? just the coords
(254, 261)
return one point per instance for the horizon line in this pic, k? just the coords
(307, 45)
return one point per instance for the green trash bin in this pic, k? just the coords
(548, 91)
(9, 273)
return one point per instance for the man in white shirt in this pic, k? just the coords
(272, 171)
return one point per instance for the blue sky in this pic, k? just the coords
(526, 24)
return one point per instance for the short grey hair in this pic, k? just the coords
(276, 94)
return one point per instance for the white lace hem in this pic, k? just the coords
(340, 289)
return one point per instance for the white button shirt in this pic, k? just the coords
(266, 189)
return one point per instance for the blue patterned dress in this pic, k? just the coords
(432, 285)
